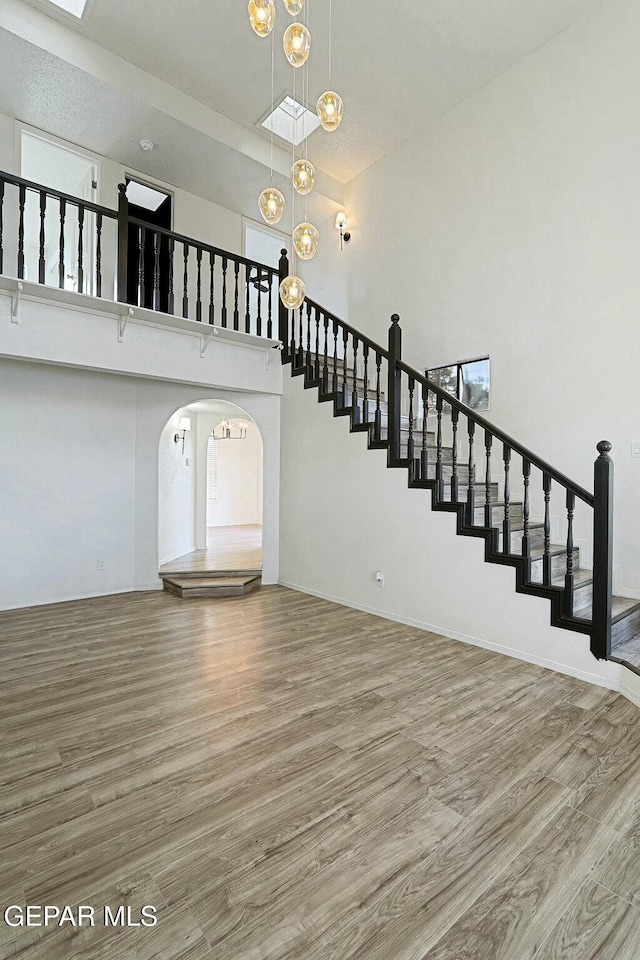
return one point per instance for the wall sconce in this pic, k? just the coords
(185, 425)
(341, 225)
(226, 431)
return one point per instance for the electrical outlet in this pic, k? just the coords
(635, 449)
(380, 578)
(188, 461)
(102, 565)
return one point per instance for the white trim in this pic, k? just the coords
(24, 605)
(610, 684)
(52, 9)
(630, 685)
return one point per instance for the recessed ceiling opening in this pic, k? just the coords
(75, 8)
(291, 121)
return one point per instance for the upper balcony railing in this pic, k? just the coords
(58, 240)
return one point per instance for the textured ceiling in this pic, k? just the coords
(398, 66)
(55, 96)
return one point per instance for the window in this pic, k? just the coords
(291, 121)
(74, 8)
(468, 381)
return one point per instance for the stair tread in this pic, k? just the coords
(199, 582)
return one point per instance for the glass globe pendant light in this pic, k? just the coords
(330, 109)
(294, 7)
(292, 292)
(297, 44)
(303, 176)
(271, 203)
(305, 240)
(262, 16)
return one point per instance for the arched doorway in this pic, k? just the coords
(210, 490)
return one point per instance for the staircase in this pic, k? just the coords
(212, 584)
(522, 507)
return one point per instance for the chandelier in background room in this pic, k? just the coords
(296, 44)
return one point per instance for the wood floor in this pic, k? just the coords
(292, 779)
(228, 548)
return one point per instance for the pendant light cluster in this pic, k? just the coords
(330, 108)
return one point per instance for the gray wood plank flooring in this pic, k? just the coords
(287, 779)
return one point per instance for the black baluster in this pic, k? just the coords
(439, 471)
(300, 336)
(22, 196)
(454, 455)
(424, 453)
(1, 226)
(471, 493)
(212, 287)
(236, 314)
(259, 317)
(269, 320)
(325, 360)
(569, 576)
(365, 394)
(506, 523)
(355, 414)
(345, 367)
(81, 249)
(488, 441)
(309, 362)
(41, 260)
(156, 270)
(185, 281)
(61, 269)
(526, 509)
(224, 292)
(546, 562)
(99, 255)
(377, 418)
(141, 277)
(247, 310)
(334, 378)
(410, 444)
(199, 284)
(171, 298)
(316, 362)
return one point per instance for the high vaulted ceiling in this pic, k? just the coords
(398, 65)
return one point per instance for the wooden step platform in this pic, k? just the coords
(212, 585)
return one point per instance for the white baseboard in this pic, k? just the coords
(24, 604)
(610, 683)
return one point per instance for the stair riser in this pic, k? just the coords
(625, 628)
(536, 540)
(480, 492)
(558, 566)
(497, 515)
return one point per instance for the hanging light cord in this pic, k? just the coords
(330, 40)
(272, 100)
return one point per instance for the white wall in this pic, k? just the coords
(68, 481)
(79, 461)
(239, 488)
(512, 227)
(177, 488)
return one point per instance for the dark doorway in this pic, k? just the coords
(154, 206)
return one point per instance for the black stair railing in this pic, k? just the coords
(55, 239)
(58, 239)
(502, 491)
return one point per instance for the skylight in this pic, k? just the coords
(75, 8)
(291, 121)
(143, 196)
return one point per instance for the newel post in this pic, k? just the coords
(283, 313)
(394, 403)
(602, 552)
(123, 242)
